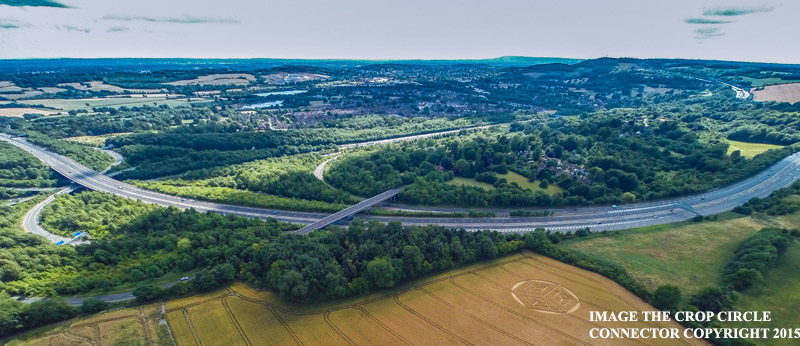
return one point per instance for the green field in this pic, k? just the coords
(470, 182)
(688, 255)
(511, 177)
(523, 182)
(113, 102)
(749, 150)
(759, 82)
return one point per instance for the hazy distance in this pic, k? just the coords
(414, 29)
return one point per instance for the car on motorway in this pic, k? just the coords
(185, 278)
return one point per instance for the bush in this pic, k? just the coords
(148, 292)
(47, 311)
(92, 305)
(666, 297)
(754, 257)
(714, 299)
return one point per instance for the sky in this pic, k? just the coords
(409, 29)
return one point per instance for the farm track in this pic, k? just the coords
(82, 339)
(473, 317)
(432, 323)
(97, 334)
(235, 322)
(145, 328)
(191, 327)
(327, 317)
(382, 325)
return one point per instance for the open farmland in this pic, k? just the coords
(102, 86)
(113, 102)
(20, 111)
(218, 79)
(134, 326)
(780, 93)
(496, 302)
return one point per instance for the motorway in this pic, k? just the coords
(780, 175)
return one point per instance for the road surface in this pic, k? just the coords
(780, 175)
(30, 223)
(109, 298)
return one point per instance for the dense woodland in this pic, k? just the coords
(20, 169)
(600, 159)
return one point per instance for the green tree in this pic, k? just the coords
(381, 272)
(535, 240)
(92, 305)
(666, 297)
(46, 311)
(487, 248)
(412, 260)
(744, 278)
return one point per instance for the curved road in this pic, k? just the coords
(780, 175)
(31, 224)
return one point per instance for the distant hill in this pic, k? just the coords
(137, 64)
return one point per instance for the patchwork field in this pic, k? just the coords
(218, 79)
(114, 102)
(524, 299)
(19, 112)
(780, 92)
(102, 86)
(749, 150)
(139, 326)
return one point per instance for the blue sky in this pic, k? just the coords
(382, 29)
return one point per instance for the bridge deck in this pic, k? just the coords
(354, 209)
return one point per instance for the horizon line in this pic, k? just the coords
(394, 59)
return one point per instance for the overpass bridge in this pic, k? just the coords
(352, 210)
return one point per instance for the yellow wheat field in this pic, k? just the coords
(480, 305)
